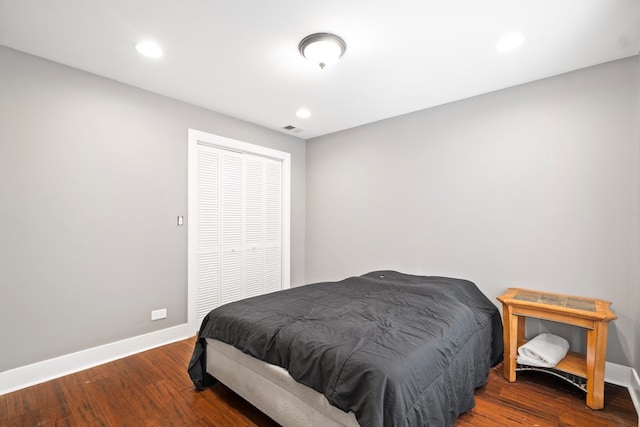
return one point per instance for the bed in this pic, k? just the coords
(382, 349)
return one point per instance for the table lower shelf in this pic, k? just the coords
(572, 369)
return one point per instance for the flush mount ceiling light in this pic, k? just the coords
(322, 48)
(149, 49)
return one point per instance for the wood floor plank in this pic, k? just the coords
(211, 409)
(83, 392)
(175, 405)
(178, 357)
(4, 416)
(153, 389)
(133, 376)
(548, 401)
(52, 401)
(100, 404)
(495, 414)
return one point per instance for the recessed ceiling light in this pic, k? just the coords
(510, 42)
(149, 49)
(303, 113)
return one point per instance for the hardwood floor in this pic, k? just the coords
(153, 389)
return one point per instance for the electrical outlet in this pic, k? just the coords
(159, 314)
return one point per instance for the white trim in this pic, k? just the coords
(192, 229)
(196, 137)
(634, 391)
(617, 374)
(624, 376)
(36, 373)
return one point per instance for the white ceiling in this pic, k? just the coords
(240, 57)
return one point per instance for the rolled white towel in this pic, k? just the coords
(545, 350)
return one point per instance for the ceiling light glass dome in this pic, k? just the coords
(322, 48)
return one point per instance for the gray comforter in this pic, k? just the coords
(396, 349)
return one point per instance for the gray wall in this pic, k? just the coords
(92, 176)
(533, 186)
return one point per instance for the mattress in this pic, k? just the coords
(271, 389)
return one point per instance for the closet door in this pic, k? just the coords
(208, 229)
(272, 225)
(232, 224)
(254, 225)
(239, 231)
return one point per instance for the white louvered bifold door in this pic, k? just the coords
(273, 226)
(208, 237)
(239, 208)
(254, 226)
(232, 226)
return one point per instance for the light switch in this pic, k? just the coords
(180, 220)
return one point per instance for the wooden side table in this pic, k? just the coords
(591, 314)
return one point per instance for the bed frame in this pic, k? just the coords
(271, 389)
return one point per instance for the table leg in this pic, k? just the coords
(513, 336)
(596, 355)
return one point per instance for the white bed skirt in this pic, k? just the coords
(272, 390)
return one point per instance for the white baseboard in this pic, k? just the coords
(25, 376)
(626, 377)
(634, 391)
(617, 374)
